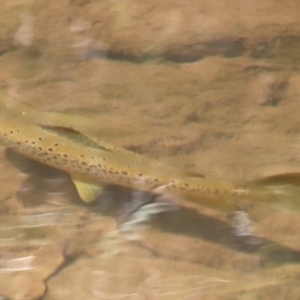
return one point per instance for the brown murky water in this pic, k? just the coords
(213, 88)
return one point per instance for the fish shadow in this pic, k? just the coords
(192, 223)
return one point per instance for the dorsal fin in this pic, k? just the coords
(74, 135)
(193, 174)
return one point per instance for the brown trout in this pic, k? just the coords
(92, 163)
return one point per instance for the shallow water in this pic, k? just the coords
(211, 88)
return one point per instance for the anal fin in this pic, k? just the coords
(87, 191)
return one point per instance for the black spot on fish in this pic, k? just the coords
(65, 155)
(40, 138)
(50, 149)
(124, 173)
(140, 175)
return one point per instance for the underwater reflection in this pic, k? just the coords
(50, 199)
(55, 232)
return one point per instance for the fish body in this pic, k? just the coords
(91, 162)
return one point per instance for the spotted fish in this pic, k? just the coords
(93, 163)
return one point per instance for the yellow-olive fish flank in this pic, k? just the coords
(91, 162)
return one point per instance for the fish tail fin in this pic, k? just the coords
(280, 191)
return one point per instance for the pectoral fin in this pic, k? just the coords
(88, 192)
